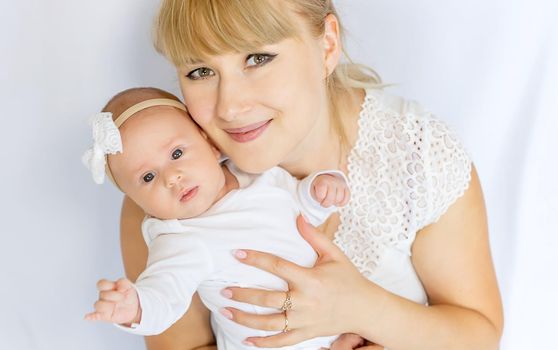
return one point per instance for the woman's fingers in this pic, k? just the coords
(291, 337)
(270, 322)
(325, 248)
(260, 297)
(270, 263)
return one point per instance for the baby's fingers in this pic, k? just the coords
(103, 311)
(123, 284)
(111, 295)
(92, 316)
(345, 195)
(320, 191)
(104, 285)
(339, 196)
(329, 200)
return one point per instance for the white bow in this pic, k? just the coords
(106, 140)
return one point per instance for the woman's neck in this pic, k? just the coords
(323, 148)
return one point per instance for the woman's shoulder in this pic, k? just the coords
(387, 110)
(411, 148)
(403, 124)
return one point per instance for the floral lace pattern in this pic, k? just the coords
(405, 170)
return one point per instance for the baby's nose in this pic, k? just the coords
(173, 178)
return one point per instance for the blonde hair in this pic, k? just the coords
(186, 31)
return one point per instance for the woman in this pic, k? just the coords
(263, 79)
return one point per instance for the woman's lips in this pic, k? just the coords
(248, 133)
(189, 194)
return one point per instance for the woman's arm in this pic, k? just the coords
(452, 258)
(193, 330)
(453, 261)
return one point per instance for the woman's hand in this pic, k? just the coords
(325, 298)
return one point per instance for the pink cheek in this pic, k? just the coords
(204, 117)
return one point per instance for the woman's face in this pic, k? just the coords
(261, 108)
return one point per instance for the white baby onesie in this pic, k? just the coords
(195, 254)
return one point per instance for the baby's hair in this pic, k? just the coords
(127, 98)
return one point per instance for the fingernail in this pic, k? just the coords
(239, 254)
(227, 293)
(247, 343)
(226, 313)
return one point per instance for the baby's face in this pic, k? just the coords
(167, 166)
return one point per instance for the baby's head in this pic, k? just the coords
(167, 164)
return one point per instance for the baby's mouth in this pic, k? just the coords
(188, 194)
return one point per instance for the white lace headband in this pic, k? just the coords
(107, 140)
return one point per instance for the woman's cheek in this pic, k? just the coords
(200, 111)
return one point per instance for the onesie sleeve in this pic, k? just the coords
(301, 192)
(447, 168)
(176, 265)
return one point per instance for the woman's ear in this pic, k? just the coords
(214, 149)
(331, 43)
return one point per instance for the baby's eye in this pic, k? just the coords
(200, 73)
(148, 177)
(259, 59)
(177, 153)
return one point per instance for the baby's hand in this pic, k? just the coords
(330, 190)
(118, 303)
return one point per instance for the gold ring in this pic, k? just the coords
(286, 328)
(288, 303)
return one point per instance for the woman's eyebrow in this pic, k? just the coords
(193, 62)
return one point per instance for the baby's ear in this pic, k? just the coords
(215, 150)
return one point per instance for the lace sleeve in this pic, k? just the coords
(447, 168)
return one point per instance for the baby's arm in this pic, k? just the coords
(118, 303)
(321, 194)
(176, 265)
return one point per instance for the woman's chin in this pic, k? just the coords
(254, 165)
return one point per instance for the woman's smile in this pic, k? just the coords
(248, 133)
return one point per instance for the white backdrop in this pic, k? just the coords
(489, 68)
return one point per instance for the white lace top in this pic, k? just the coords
(405, 170)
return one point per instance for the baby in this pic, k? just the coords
(199, 211)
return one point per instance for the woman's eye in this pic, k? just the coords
(259, 59)
(177, 154)
(200, 73)
(148, 177)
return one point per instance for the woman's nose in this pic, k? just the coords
(233, 98)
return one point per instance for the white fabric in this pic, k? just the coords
(405, 169)
(196, 254)
(106, 140)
